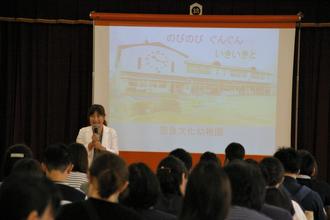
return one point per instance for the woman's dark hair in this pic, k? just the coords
(210, 157)
(247, 184)
(169, 174)
(27, 166)
(280, 198)
(99, 109)
(208, 194)
(21, 194)
(110, 171)
(13, 154)
(272, 170)
(143, 188)
(78, 157)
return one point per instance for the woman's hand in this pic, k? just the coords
(95, 140)
(99, 146)
(96, 143)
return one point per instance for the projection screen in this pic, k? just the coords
(196, 82)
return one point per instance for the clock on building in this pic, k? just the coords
(157, 61)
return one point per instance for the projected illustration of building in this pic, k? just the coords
(152, 67)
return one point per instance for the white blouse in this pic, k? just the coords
(109, 140)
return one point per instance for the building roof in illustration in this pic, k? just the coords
(147, 43)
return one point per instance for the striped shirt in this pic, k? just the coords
(76, 179)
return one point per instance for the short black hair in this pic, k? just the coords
(208, 193)
(251, 161)
(308, 163)
(272, 170)
(210, 157)
(235, 151)
(110, 171)
(27, 166)
(22, 194)
(143, 188)
(169, 174)
(247, 184)
(184, 156)
(289, 158)
(56, 157)
(13, 154)
(78, 157)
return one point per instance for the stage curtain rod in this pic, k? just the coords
(90, 22)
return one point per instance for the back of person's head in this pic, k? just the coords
(208, 194)
(78, 157)
(28, 197)
(234, 151)
(56, 157)
(27, 166)
(210, 157)
(184, 156)
(143, 188)
(290, 159)
(109, 174)
(252, 161)
(171, 173)
(272, 170)
(13, 154)
(247, 184)
(308, 164)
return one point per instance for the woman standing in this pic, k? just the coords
(97, 137)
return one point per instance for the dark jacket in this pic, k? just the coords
(96, 209)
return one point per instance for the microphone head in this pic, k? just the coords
(95, 128)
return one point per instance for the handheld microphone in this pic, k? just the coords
(95, 128)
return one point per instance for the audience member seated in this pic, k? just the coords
(208, 194)
(307, 177)
(273, 172)
(248, 194)
(79, 159)
(29, 197)
(307, 198)
(57, 166)
(184, 156)
(172, 175)
(27, 166)
(210, 157)
(108, 177)
(234, 151)
(13, 154)
(143, 192)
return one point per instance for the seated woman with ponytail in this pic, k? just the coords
(108, 177)
(172, 175)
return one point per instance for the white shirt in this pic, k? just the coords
(109, 140)
(298, 212)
